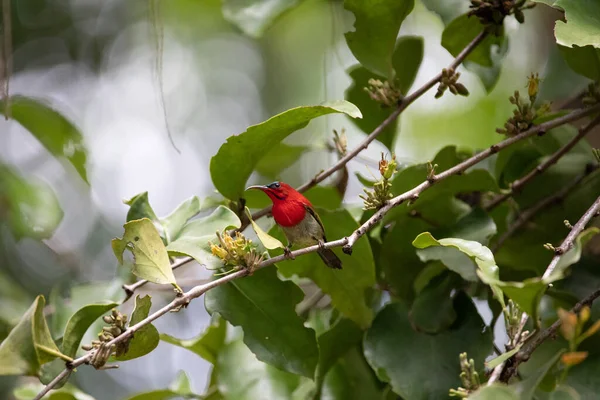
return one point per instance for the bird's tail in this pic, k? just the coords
(330, 259)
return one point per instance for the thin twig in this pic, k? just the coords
(404, 103)
(63, 375)
(310, 302)
(6, 57)
(517, 185)
(502, 373)
(532, 211)
(414, 193)
(569, 241)
(347, 242)
(525, 353)
(130, 289)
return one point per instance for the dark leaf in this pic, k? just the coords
(264, 307)
(422, 366)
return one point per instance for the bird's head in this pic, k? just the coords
(277, 191)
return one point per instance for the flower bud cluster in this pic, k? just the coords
(491, 13)
(384, 93)
(526, 112)
(116, 326)
(450, 82)
(236, 252)
(381, 192)
(468, 376)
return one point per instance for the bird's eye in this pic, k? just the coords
(274, 185)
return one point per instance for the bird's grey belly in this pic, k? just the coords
(303, 234)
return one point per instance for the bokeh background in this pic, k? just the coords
(103, 64)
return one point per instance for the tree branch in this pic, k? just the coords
(404, 103)
(528, 214)
(500, 372)
(517, 185)
(347, 242)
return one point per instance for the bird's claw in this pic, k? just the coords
(321, 245)
(288, 253)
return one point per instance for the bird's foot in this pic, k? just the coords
(321, 244)
(287, 252)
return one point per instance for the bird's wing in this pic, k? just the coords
(314, 214)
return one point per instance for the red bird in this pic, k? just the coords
(298, 220)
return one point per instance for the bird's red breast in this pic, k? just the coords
(289, 205)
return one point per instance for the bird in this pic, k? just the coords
(299, 221)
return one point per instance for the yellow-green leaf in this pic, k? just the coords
(151, 260)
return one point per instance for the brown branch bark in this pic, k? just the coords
(531, 212)
(517, 185)
(504, 374)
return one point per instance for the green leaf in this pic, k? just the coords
(79, 323)
(461, 31)
(146, 338)
(193, 240)
(583, 377)
(278, 158)
(582, 27)
(29, 206)
(438, 203)
(351, 378)
(267, 240)
(243, 377)
(174, 222)
(58, 135)
(139, 207)
(419, 365)
(493, 363)
(237, 158)
(398, 258)
(406, 61)
(526, 387)
(494, 392)
(19, 354)
(574, 254)
(478, 226)
(207, 344)
(526, 294)
(347, 286)
(151, 260)
(334, 344)
(564, 392)
(254, 17)
(433, 308)
(180, 387)
(264, 307)
(583, 60)
(68, 392)
(376, 27)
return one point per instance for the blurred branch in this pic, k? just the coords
(404, 103)
(6, 57)
(517, 185)
(531, 212)
(346, 242)
(504, 374)
(158, 34)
